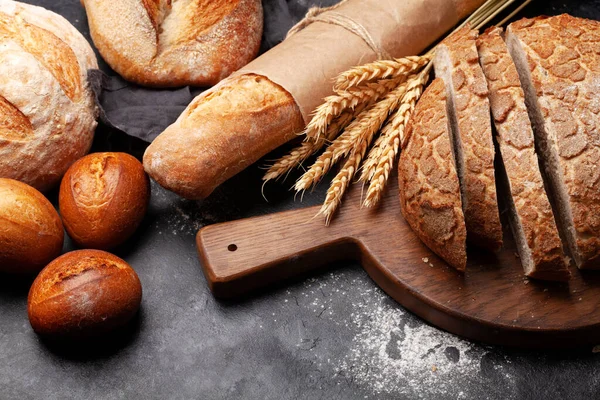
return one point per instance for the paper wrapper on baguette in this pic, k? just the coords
(264, 105)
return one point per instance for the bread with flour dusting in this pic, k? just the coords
(169, 43)
(457, 62)
(47, 108)
(429, 187)
(559, 67)
(530, 213)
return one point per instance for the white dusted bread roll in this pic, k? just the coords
(47, 109)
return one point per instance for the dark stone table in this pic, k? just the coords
(334, 335)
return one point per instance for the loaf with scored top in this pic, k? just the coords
(167, 43)
(47, 108)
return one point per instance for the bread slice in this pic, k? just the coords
(531, 217)
(559, 67)
(457, 62)
(429, 187)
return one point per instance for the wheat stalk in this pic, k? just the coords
(364, 136)
(307, 148)
(392, 136)
(380, 69)
(359, 132)
(334, 105)
(370, 163)
(338, 187)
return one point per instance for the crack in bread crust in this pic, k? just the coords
(429, 188)
(562, 60)
(50, 51)
(532, 220)
(14, 126)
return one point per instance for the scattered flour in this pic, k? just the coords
(394, 353)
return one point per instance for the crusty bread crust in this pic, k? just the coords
(223, 131)
(457, 62)
(47, 109)
(167, 43)
(429, 187)
(560, 70)
(103, 198)
(31, 233)
(539, 244)
(83, 294)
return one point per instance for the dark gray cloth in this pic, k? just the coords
(137, 111)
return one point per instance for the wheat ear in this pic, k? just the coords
(334, 105)
(307, 148)
(338, 187)
(370, 163)
(380, 69)
(392, 137)
(359, 132)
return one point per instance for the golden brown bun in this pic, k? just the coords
(83, 293)
(31, 234)
(531, 217)
(47, 108)
(559, 66)
(170, 43)
(429, 187)
(457, 62)
(103, 199)
(223, 131)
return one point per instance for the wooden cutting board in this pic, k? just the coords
(492, 302)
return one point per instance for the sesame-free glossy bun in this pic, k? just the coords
(103, 199)
(31, 234)
(83, 293)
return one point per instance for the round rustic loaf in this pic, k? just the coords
(83, 293)
(170, 43)
(31, 234)
(103, 199)
(47, 109)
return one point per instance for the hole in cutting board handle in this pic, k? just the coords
(232, 247)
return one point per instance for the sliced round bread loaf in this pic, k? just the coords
(457, 63)
(531, 217)
(558, 63)
(429, 187)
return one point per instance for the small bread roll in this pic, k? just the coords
(31, 234)
(82, 294)
(103, 199)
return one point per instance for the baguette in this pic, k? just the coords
(457, 62)
(531, 217)
(166, 43)
(429, 188)
(222, 131)
(558, 64)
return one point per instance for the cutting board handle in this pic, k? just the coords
(243, 255)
